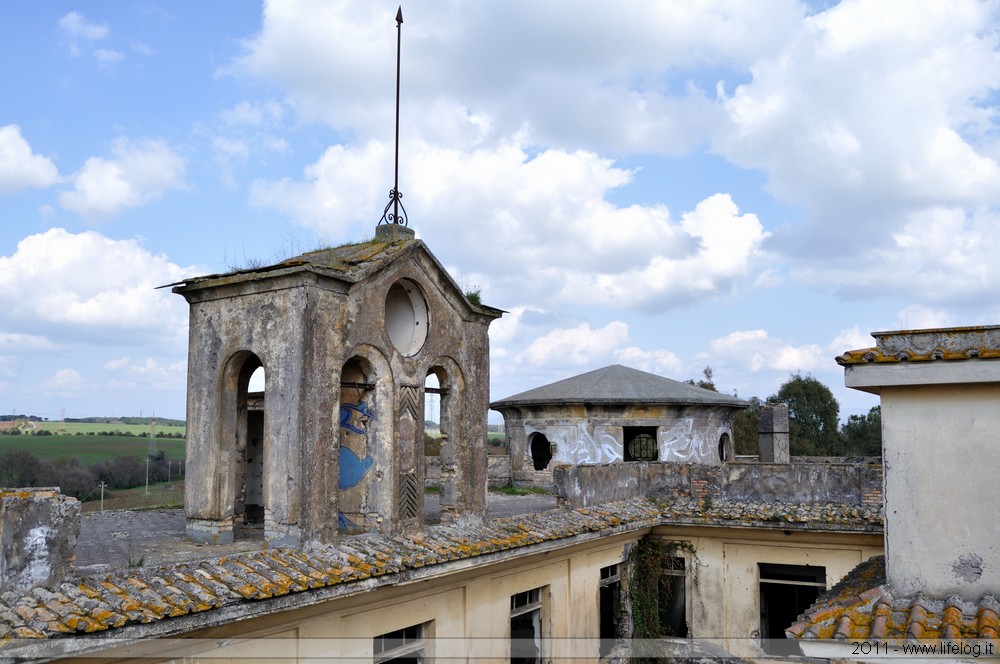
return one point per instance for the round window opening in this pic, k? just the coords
(406, 317)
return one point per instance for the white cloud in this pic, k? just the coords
(87, 288)
(871, 109)
(946, 255)
(579, 345)
(553, 235)
(78, 27)
(139, 172)
(755, 350)
(65, 383)
(254, 113)
(20, 168)
(661, 362)
(146, 373)
(917, 316)
(601, 96)
(107, 57)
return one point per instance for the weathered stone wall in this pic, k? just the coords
(38, 530)
(594, 434)
(846, 483)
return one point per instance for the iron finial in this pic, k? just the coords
(395, 196)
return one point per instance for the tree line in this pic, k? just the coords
(20, 468)
(813, 420)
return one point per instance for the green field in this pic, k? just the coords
(72, 428)
(160, 496)
(90, 449)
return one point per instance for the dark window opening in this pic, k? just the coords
(786, 591)
(402, 645)
(254, 506)
(541, 451)
(526, 627)
(672, 597)
(724, 447)
(640, 443)
(609, 604)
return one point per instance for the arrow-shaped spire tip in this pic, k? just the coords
(399, 15)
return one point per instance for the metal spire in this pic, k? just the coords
(394, 195)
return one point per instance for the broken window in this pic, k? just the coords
(786, 591)
(672, 597)
(406, 645)
(541, 450)
(609, 602)
(640, 443)
(526, 627)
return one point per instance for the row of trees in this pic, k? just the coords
(23, 469)
(813, 420)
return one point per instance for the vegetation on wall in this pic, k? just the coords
(650, 557)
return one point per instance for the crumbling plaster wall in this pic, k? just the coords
(594, 434)
(38, 531)
(269, 319)
(457, 346)
(304, 327)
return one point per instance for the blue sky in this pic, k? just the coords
(668, 185)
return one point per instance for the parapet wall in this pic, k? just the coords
(843, 483)
(38, 530)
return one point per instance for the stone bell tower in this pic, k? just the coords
(347, 338)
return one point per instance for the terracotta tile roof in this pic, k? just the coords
(862, 607)
(775, 515)
(147, 595)
(136, 596)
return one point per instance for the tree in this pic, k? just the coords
(706, 383)
(746, 438)
(813, 416)
(862, 434)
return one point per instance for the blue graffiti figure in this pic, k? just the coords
(346, 411)
(345, 523)
(352, 468)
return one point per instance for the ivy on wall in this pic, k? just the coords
(650, 557)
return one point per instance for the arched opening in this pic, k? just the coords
(446, 492)
(434, 436)
(540, 449)
(357, 418)
(725, 448)
(244, 423)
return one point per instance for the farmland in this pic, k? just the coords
(90, 449)
(72, 428)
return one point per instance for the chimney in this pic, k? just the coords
(772, 432)
(38, 529)
(940, 396)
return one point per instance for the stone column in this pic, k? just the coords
(773, 434)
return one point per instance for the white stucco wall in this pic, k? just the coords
(942, 458)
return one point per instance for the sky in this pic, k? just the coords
(669, 185)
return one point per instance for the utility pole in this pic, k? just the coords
(102, 485)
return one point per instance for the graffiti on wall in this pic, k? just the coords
(576, 445)
(354, 418)
(685, 443)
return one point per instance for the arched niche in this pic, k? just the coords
(243, 437)
(364, 434)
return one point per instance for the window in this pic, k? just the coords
(640, 443)
(541, 451)
(609, 602)
(403, 645)
(526, 627)
(725, 447)
(786, 591)
(672, 597)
